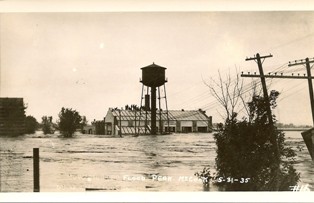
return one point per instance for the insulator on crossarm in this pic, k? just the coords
(304, 74)
(248, 73)
(292, 74)
(254, 73)
(281, 74)
(275, 73)
(298, 74)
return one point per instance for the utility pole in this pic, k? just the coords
(308, 138)
(257, 59)
(273, 138)
(309, 77)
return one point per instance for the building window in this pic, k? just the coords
(202, 129)
(130, 124)
(172, 129)
(186, 129)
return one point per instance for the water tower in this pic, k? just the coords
(153, 76)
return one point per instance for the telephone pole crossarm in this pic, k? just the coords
(276, 76)
(300, 62)
(258, 57)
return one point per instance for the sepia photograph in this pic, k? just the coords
(207, 102)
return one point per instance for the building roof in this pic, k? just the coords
(191, 115)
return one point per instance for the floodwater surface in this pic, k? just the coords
(144, 163)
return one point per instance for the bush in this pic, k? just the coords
(47, 125)
(69, 121)
(30, 125)
(245, 150)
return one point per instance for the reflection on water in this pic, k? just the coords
(144, 163)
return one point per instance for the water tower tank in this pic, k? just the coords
(153, 75)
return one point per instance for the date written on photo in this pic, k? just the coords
(231, 180)
(187, 179)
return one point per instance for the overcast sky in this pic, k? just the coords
(92, 61)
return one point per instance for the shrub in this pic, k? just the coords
(245, 150)
(47, 125)
(30, 124)
(69, 121)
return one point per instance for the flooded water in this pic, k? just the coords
(119, 164)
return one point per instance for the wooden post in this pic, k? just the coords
(36, 169)
(120, 132)
(135, 122)
(167, 109)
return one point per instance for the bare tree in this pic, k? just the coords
(228, 93)
(232, 94)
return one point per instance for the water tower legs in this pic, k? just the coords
(153, 111)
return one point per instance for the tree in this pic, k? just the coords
(227, 93)
(31, 124)
(244, 148)
(69, 121)
(47, 125)
(12, 116)
(255, 160)
(132, 107)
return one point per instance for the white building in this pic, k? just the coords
(123, 122)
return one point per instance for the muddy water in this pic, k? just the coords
(144, 163)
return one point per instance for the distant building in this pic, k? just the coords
(96, 128)
(99, 127)
(12, 116)
(131, 122)
(89, 129)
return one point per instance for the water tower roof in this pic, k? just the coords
(153, 66)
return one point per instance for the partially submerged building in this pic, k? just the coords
(148, 118)
(12, 116)
(135, 122)
(89, 129)
(96, 128)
